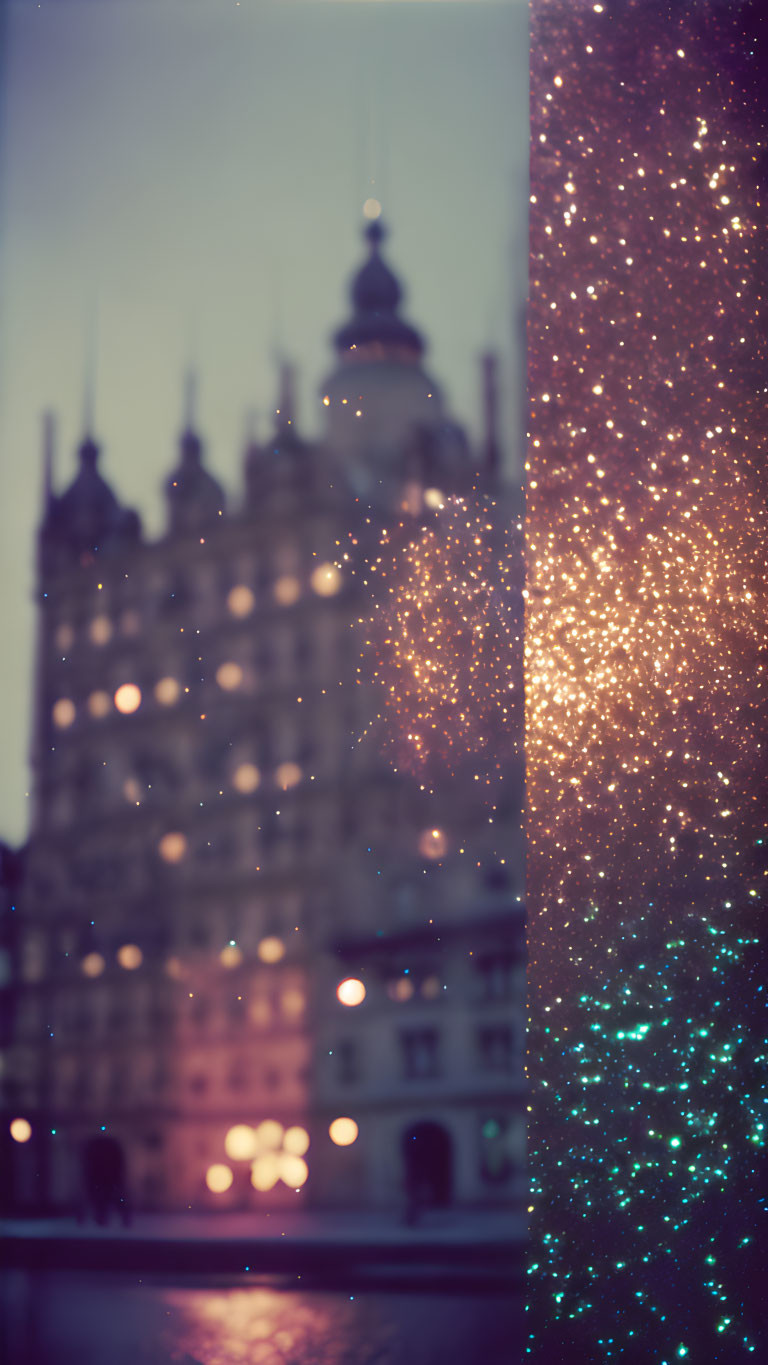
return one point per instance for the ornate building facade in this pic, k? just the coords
(213, 851)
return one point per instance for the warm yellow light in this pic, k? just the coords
(167, 691)
(240, 1143)
(343, 1132)
(20, 1130)
(128, 698)
(260, 1011)
(63, 713)
(99, 704)
(64, 637)
(265, 1171)
(433, 497)
(371, 208)
(231, 955)
(401, 990)
(350, 991)
(100, 630)
(296, 1141)
(293, 1170)
(240, 600)
(269, 1135)
(430, 987)
(287, 775)
(172, 847)
(292, 1002)
(271, 949)
(326, 580)
(287, 590)
(93, 964)
(229, 676)
(219, 1178)
(130, 622)
(174, 968)
(130, 956)
(433, 843)
(246, 778)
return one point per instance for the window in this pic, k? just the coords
(494, 1048)
(346, 1054)
(496, 1163)
(420, 1053)
(495, 976)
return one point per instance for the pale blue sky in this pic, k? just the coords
(191, 173)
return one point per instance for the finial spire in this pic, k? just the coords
(49, 454)
(189, 415)
(491, 453)
(286, 396)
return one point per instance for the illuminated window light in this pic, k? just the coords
(99, 705)
(219, 1178)
(271, 949)
(350, 991)
(240, 600)
(231, 956)
(296, 1140)
(293, 1170)
(64, 637)
(20, 1130)
(265, 1171)
(240, 1144)
(287, 775)
(172, 847)
(343, 1132)
(433, 843)
(100, 630)
(63, 713)
(130, 956)
(93, 964)
(229, 676)
(128, 698)
(287, 590)
(246, 778)
(167, 691)
(325, 580)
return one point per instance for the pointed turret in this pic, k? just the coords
(87, 519)
(195, 498)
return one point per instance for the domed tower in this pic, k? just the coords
(195, 498)
(386, 417)
(87, 519)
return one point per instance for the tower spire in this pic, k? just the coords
(49, 455)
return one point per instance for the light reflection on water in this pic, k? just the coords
(62, 1318)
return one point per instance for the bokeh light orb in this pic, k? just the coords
(343, 1132)
(293, 1170)
(172, 847)
(371, 209)
(240, 1143)
(130, 956)
(433, 844)
(269, 1135)
(64, 637)
(231, 956)
(128, 698)
(20, 1130)
(93, 964)
(326, 580)
(433, 497)
(287, 590)
(430, 987)
(63, 713)
(350, 991)
(99, 705)
(271, 949)
(229, 676)
(167, 691)
(246, 778)
(401, 989)
(219, 1178)
(293, 1002)
(100, 630)
(287, 775)
(240, 600)
(265, 1171)
(296, 1140)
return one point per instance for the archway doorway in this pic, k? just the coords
(428, 1165)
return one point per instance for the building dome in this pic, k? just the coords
(375, 325)
(87, 518)
(195, 498)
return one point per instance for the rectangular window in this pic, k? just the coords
(420, 1053)
(495, 976)
(494, 1048)
(346, 1054)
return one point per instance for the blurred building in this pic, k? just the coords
(213, 851)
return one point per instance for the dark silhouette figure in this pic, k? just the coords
(104, 1180)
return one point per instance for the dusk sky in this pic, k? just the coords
(182, 183)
